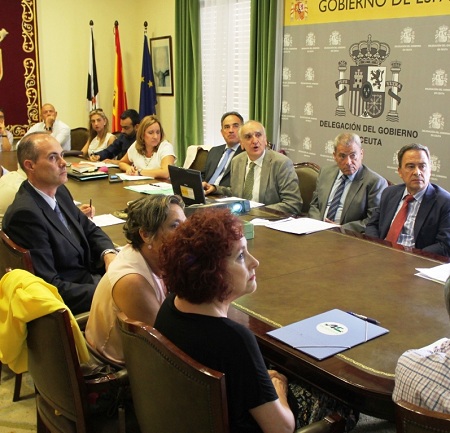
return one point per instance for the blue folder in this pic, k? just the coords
(328, 333)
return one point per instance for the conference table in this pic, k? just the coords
(303, 275)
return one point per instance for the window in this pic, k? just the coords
(225, 51)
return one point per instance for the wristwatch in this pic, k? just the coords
(108, 251)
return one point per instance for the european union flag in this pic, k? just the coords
(147, 100)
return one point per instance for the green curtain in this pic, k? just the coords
(188, 77)
(263, 32)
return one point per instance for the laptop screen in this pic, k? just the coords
(188, 184)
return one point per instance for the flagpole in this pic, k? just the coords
(92, 83)
(147, 99)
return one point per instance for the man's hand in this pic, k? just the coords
(209, 189)
(88, 210)
(49, 121)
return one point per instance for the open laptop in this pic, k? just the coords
(187, 183)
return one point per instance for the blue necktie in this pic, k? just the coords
(331, 215)
(61, 216)
(221, 166)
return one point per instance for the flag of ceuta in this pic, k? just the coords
(120, 96)
(92, 83)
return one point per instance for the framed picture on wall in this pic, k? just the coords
(161, 50)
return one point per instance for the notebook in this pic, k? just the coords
(187, 183)
(87, 176)
(328, 333)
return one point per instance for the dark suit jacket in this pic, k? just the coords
(58, 257)
(212, 161)
(118, 148)
(278, 187)
(362, 199)
(432, 225)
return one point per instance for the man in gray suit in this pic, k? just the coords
(218, 164)
(347, 193)
(261, 174)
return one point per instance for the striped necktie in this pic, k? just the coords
(331, 215)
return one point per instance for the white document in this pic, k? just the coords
(125, 176)
(300, 226)
(439, 273)
(106, 220)
(152, 188)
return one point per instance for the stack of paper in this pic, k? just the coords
(83, 167)
(152, 188)
(439, 274)
(300, 226)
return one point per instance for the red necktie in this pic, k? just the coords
(399, 221)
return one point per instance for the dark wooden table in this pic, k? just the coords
(301, 276)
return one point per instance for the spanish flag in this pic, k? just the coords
(120, 95)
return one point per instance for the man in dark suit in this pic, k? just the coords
(273, 178)
(215, 172)
(361, 192)
(67, 249)
(425, 206)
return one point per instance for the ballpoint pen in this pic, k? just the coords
(367, 319)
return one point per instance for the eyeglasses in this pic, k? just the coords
(96, 111)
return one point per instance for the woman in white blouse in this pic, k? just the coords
(99, 136)
(150, 155)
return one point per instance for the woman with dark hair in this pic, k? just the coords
(133, 282)
(150, 155)
(206, 266)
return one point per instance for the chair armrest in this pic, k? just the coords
(82, 319)
(332, 423)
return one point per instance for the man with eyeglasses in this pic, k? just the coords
(218, 163)
(348, 192)
(416, 213)
(260, 174)
(56, 127)
(129, 122)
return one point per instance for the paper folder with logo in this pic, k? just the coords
(328, 333)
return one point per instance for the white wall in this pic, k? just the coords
(63, 32)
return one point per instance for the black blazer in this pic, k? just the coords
(71, 262)
(212, 161)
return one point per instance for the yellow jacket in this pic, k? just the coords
(23, 298)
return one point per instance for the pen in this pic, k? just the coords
(367, 319)
(90, 205)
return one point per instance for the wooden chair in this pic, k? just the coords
(163, 377)
(13, 257)
(307, 173)
(62, 392)
(410, 418)
(78, 138)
